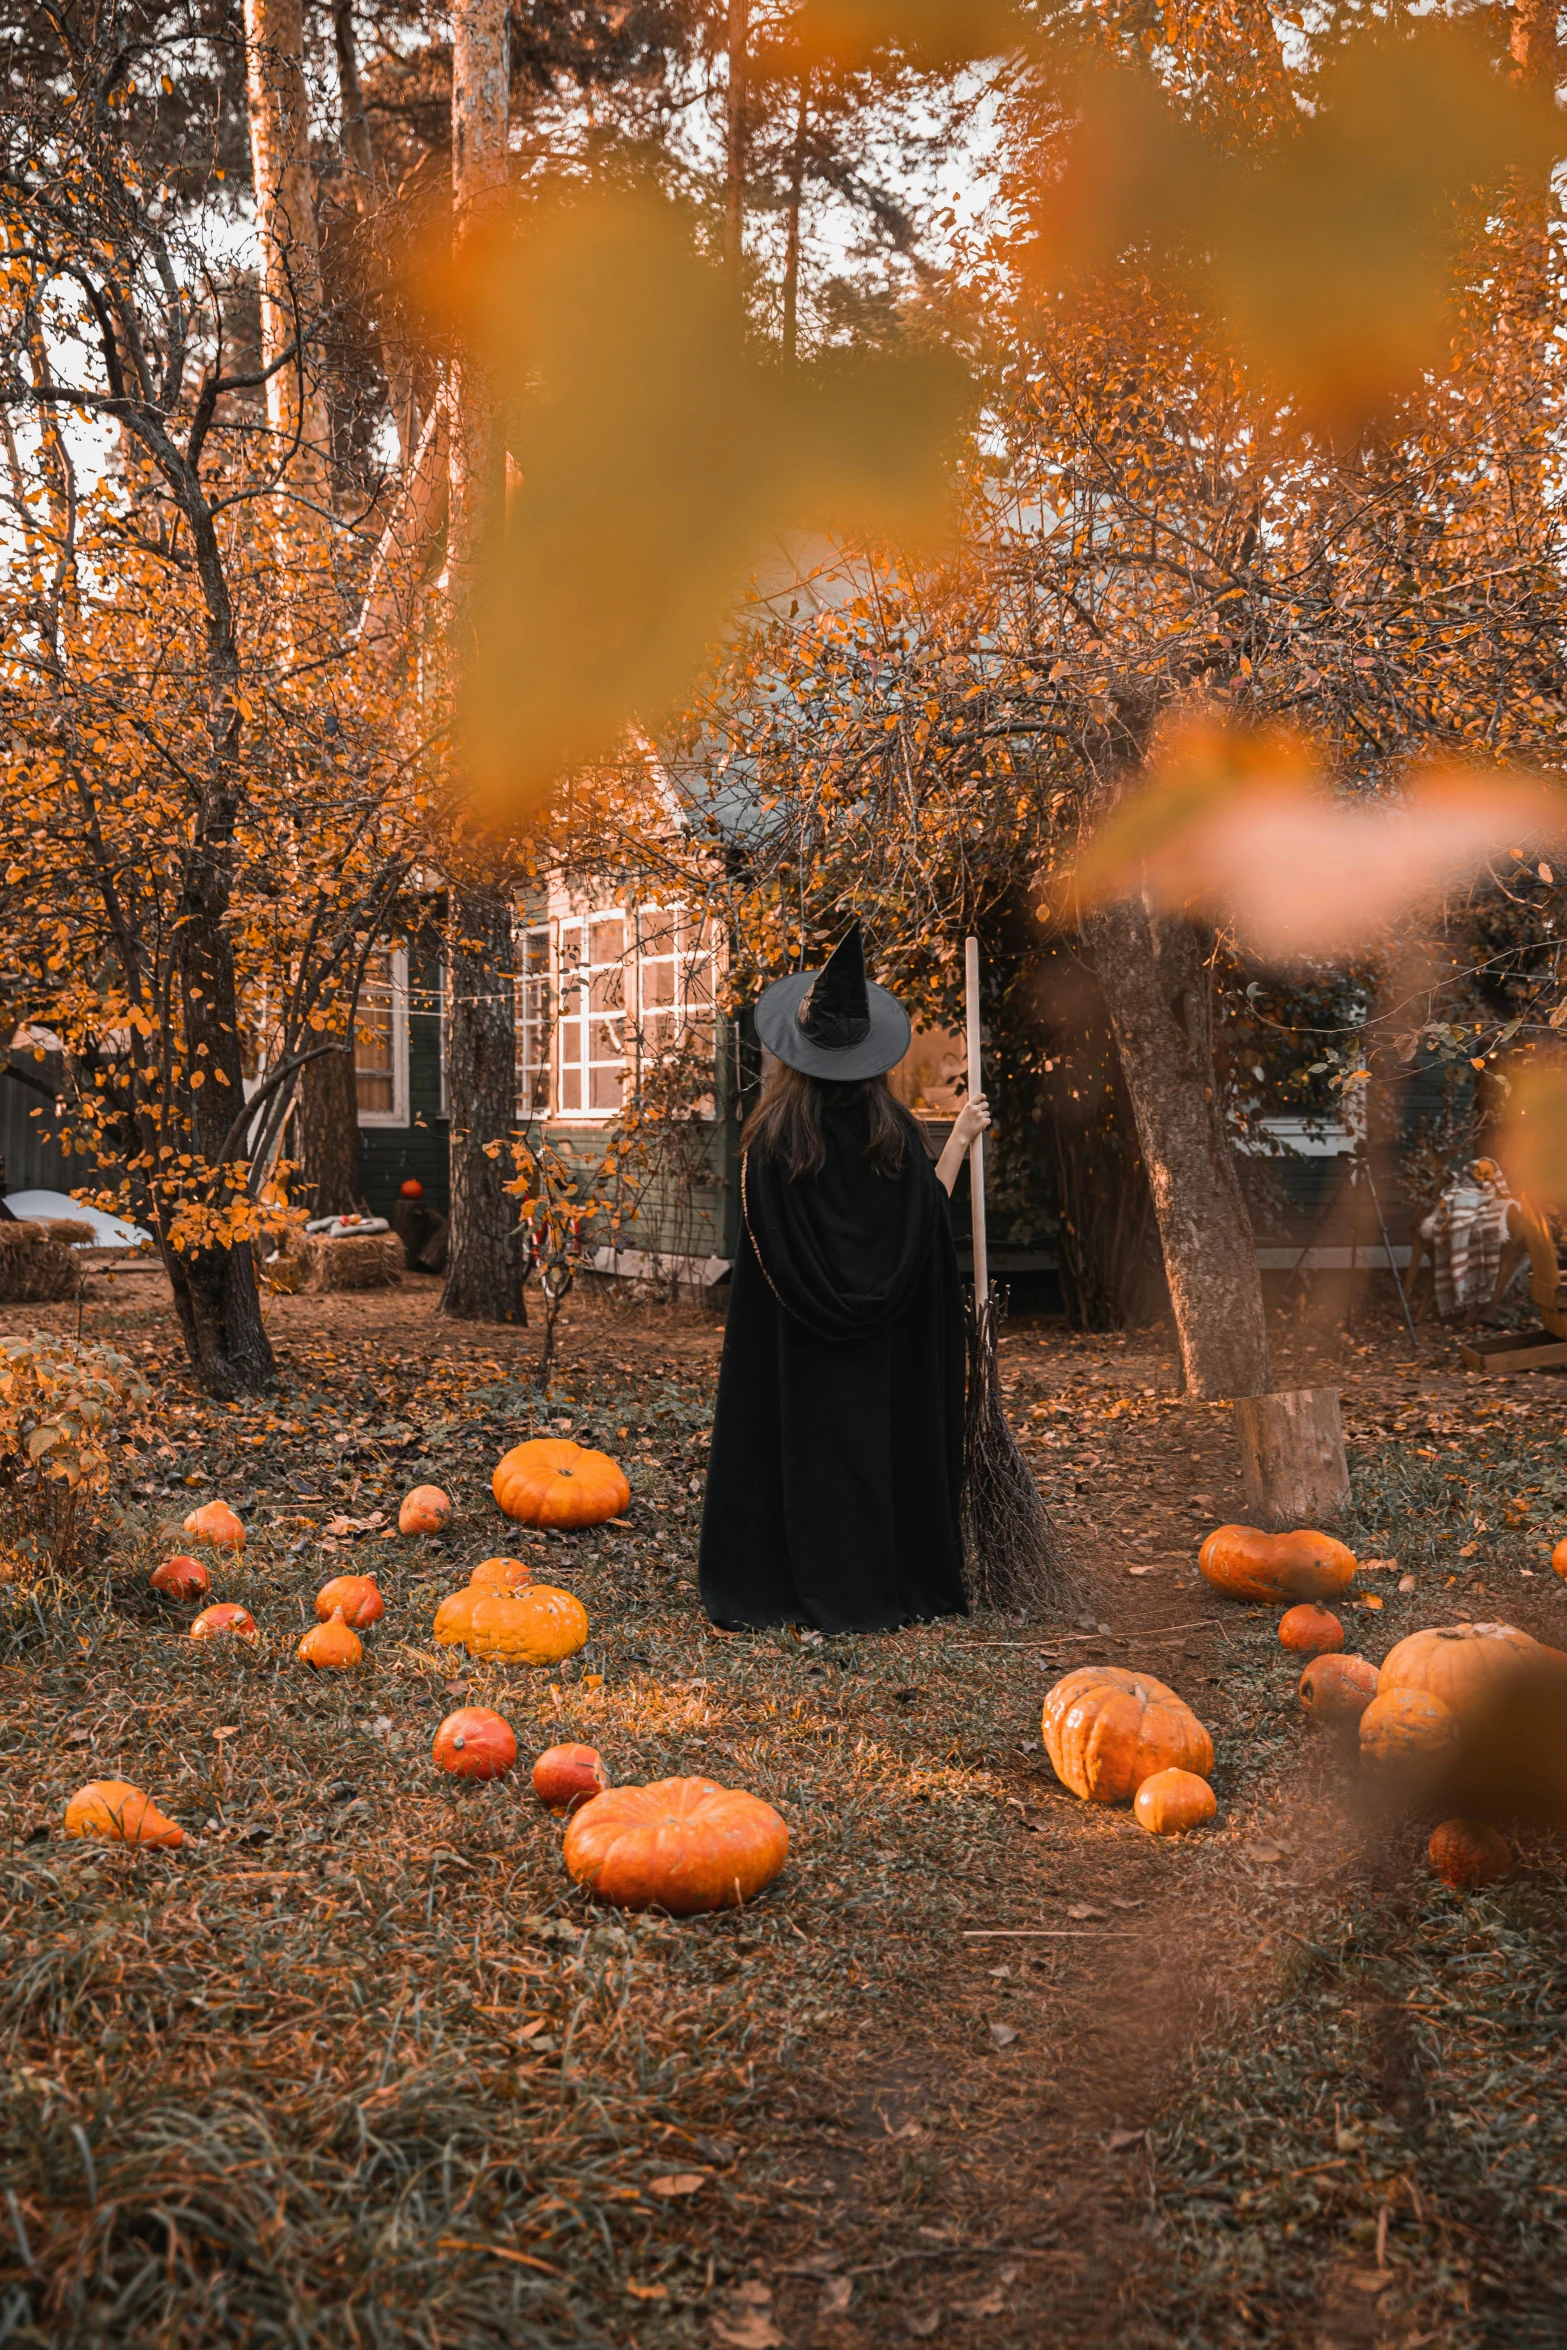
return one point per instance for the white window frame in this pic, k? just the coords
(536, 1003)
(397, 1115)
(683, 1009)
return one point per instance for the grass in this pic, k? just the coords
(360, 2066)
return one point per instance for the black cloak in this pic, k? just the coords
(832, 1484)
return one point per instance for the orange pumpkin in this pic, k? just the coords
(1172, 1801)
(331, 1647)
(550, 1482)
(427, 1510)
(473, 1743)
(357, 1597)
(1275, 1568)
(115, 1812)
(225, 1621)
(539, 1626)
(1406, 1730)
(500, 1575)
(1467, 1853)
(181, 1578)
(682, 1845)
(1107, 1730)
(1310, 1630)
(567, 1777)
(1559, 1558)
(216, 1523)
(1458, 1663)
(452, 1618)
(1336, 1690)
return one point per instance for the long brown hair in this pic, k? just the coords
(787, 1121)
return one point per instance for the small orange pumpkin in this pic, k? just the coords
(474, 1743)
(1172, 1801)
(500, 1575)
(427, 1510)
(181, 1578)
(331, 1647)
(117, 1813)
(1467, 1853)
(1457, 1663)
(1559, 1558)
(1275, 1568)
(1107, 1730)
(550, 1482)
(1406, 1730)
(225, 1621)
(216, 1523)
(567, 1777)
(1310, 1630)
(1336, 1690)
(539, 1626)
(356, 1596)
(682, 1845)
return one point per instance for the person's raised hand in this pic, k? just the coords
(972, 1119)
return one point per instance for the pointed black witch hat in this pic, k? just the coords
(834, 1023)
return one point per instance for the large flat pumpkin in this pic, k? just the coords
(1106, 1730)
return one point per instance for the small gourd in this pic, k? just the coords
(500, 1575)
(474, 1743)
(115, 1812)
(356, 1595)
(181, 1578)
(1467, 1853)
(216, 1523)
(331, 1647)
(1310, 1630)
(1171, 1802)
(226, 1621)
(1336, 1690)
(427, 1510)
(567, 1777)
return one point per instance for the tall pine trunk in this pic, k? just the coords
(1151, 968)
(484, 1271)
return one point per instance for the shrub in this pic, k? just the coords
(60, 1404)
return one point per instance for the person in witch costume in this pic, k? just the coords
(837, 1451)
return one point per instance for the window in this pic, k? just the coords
(592, 1014)
(533, 1022)
(381, 1040)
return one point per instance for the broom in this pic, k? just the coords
(1015, 1560)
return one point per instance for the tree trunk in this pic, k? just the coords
(1292, 1451)
(484, 1273)
(1156, 989)
(279, 108)
(214, 1287)
(329, 1135)
(791, 286)
(735, 140)
(483, 1270)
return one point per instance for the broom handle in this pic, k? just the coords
(976, 1153)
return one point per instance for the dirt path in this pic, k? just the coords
(989, 2065)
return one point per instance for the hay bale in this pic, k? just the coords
(374, 1261)
(71, 1230)
(35, 1268)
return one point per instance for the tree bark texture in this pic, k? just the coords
(329, 1135)
(1292, 1452)
(484, 1268)
(735, 138)
(279, 108)
(484, 1272)
(1151, 970)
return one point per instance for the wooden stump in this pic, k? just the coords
(1292, 1450)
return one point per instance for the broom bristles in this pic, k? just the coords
(1015, 1558)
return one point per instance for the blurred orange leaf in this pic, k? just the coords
(1241, 827)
